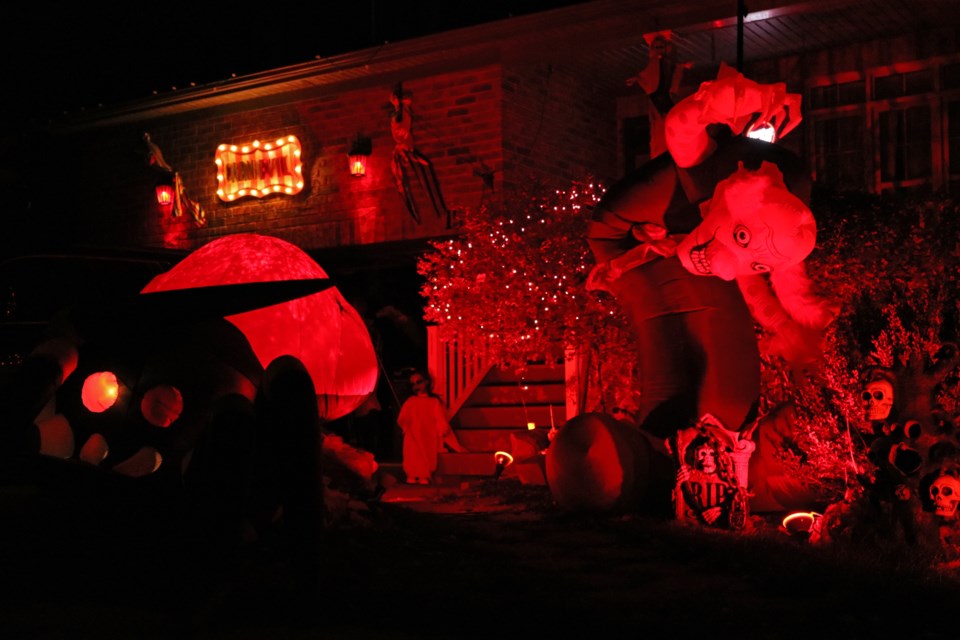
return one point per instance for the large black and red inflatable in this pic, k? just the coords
(699, 246)
(202, 396)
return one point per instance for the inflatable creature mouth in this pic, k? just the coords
(699, 259)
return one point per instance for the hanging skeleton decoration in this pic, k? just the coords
(408, 159)
(181, 201)
(660, 81)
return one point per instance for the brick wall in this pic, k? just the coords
(558, 126)
(456, 125)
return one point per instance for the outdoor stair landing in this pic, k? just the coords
(498, 417)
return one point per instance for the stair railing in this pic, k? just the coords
(457, 369)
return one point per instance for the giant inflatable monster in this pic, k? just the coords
(700, 243)
(182, 391)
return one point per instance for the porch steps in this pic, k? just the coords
(502, 406)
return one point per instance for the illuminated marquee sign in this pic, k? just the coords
(259, 169)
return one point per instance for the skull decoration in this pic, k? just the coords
(705, 458)
(877, 400)
(945, 493)
(752, 225)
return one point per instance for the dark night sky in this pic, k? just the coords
(79, 56)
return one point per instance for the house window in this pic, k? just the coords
(903, 84)
(950, 76)
(905, 140)
(952, 110)
(883, 129)
(839, 157)
(838, 95)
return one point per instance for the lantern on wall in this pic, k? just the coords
(360, 152)
(165, 190)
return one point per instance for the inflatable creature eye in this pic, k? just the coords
(760, 267)
(162, 405)
(741, 235)
(100, 391)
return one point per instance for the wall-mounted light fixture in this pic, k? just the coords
(359, 154)
(165, 190)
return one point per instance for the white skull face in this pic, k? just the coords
(877, 400)
(706, 459)
(945, 492)
(751, 225)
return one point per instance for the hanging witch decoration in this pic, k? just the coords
(408, 159)
(180, 199)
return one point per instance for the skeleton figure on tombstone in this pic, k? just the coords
(709, 489)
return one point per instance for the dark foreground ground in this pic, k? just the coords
(484, 559)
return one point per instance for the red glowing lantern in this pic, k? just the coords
(322, 330)
(359, 154)
(164, 194)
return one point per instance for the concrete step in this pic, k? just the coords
(454, 466)
(490, 440)
(509, 416)
(532, 393)
(466, 464)
(533, 373)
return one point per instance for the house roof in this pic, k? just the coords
(702, 31)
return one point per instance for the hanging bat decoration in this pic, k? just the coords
(407, 159)
(181, 201)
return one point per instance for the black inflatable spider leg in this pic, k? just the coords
(218, 479)
(31, 387)
(289, 435)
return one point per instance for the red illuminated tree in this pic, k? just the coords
(513, 283)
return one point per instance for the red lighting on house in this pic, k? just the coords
(358, 166)
(165, 194)
(359, 154)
